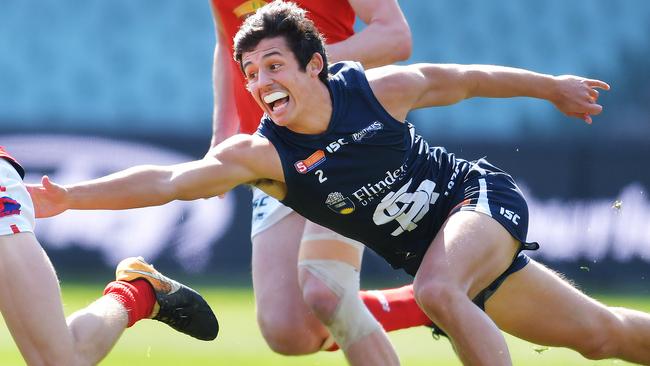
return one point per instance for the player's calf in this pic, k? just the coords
(602, 336)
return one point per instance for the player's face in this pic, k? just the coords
(276, 82)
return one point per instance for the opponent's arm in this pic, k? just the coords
(225, 121)
(233, 162)
(403, 88)
(386, 38)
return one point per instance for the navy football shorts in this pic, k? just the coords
(491, 191)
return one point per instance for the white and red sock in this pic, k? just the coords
(137, 297)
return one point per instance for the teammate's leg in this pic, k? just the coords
(538, 305)
(468, 253)
(329, 266)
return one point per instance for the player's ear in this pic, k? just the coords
(315, 65)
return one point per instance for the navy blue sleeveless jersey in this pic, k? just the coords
(368, 177)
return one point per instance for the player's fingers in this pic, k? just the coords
(583, 116)
(46, 182)
(594, 108)
(593, 93)
(597, 84)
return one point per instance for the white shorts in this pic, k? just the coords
(266, 211)
(16, 207)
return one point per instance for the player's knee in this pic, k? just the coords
(437, 298)
(285, 333)
(319, 298)
(600, 347)
(331, 289)
(602, 338)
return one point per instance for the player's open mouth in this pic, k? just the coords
(276, 101)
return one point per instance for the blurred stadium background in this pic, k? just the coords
(87, 88)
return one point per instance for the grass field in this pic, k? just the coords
(240, 343)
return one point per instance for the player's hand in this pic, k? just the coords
(50, 199)
(577, 96)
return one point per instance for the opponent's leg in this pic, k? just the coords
(287, 324)
(468, 253)
(161, 298)
(395, 308)
(30, 301)
(537, 305)
(329, 267)
(30, 298)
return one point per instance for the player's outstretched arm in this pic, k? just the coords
(233, 162)
(402, 88)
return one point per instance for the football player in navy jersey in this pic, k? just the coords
(334, 146)
(277, 232)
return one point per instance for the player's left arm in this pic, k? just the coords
(225, 121)
(385, 39)
(402, 88)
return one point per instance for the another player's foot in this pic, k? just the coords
(177, 305)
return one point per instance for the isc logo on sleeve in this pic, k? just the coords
(314, 160)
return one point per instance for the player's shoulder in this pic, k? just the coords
(348, 75)
(242, 145)
(390, 74)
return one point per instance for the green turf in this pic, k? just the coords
(240, 343)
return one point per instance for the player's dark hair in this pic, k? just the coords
(282, 19)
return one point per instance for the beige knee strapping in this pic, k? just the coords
(351, 320)
(330, 235)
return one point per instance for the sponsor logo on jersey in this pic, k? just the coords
(367, 132)
(248, 8)
(367, 193)
(334, 146)
(339, 204)
(9, 206)
(314, 160)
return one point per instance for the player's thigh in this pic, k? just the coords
(30, 298)
(275, 264)
(321, 243)
(538, 305)
(470, 251)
